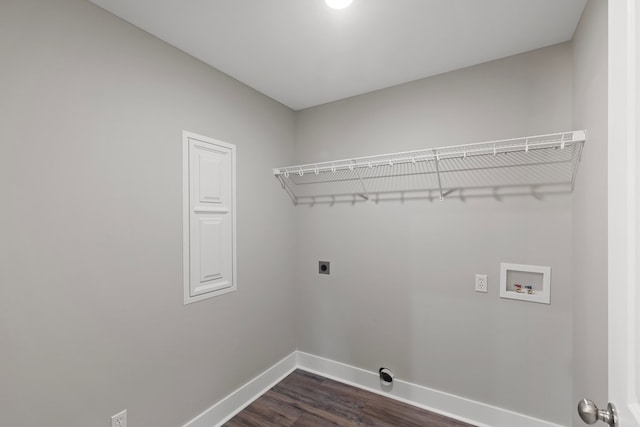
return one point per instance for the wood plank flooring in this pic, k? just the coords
(305, 399)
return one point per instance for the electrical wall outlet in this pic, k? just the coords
(481, 283)
(119, 420)
(324, 267)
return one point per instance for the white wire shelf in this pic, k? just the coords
(536, 162)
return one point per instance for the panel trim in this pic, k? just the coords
(208, 197)
(207, 289)
(209, 144)
(450, 405)
(206, 209)
(207, 229)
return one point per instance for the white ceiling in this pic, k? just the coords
(302, 53)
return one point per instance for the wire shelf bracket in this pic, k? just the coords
(541, 161)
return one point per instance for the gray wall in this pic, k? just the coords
(590, 208)
(400, 293)
(91, 313)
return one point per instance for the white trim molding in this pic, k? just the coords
(228, 407)
(624, 209)
(450, 405)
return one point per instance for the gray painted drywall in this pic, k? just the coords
(91, 313)
(400, 293)
(590, 208)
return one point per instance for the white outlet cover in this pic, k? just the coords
(481, 283)
(119, 419)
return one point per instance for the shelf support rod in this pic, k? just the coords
(287, 189)
(576, 146)
(365, 194)
(437, 160)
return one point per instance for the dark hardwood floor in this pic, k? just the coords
(305, 399)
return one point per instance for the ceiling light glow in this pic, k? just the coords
(338, 4)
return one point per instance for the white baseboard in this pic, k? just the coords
(450, 405)
(224, 410)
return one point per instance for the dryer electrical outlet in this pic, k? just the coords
(324, 267)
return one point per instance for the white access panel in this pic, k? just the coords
(209, 217)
